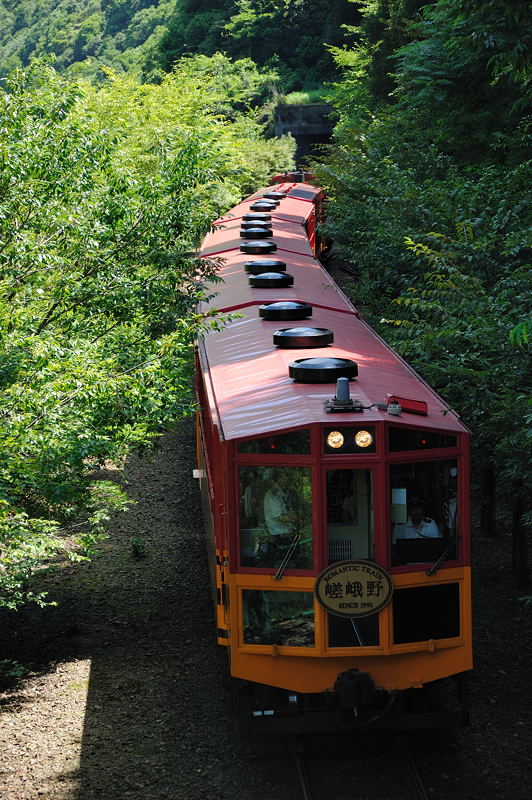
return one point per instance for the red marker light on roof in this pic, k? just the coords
(407, 404)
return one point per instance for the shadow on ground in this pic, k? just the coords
(157, 720)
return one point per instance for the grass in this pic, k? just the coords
(305, 97)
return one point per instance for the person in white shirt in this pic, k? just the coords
(417, 526)
(278, 515)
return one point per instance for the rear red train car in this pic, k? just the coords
(335, 486)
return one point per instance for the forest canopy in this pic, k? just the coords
(151, 36)
(428, 180)
(104, 194)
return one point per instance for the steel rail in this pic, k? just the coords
(302, 775)
(415, 777)
(416, 782)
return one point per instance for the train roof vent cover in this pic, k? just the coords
(258, 215)
(264, 265)
(286, 309)
(274, 195)
(256, 223)
(258, 247)
(322, 370)
(256, 233)
(303, 337)
(264, 206)
(271, 280)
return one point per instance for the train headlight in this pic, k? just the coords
(363, 439)
(335, 439)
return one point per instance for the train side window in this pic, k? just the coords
(349, 514)
(293, 443)
(276, 517)
(424, 511)
(282, 618)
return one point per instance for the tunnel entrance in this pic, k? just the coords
(310, 125)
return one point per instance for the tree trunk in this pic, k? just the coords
(487, 502)
(519, 546)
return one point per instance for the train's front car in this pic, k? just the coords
(335, 486)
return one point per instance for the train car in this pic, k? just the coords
(335, 490)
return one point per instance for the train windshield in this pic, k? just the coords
(276, 517)
(349, 514)
(423, 511)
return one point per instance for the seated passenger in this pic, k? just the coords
(417, 525)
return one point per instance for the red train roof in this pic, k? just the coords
(251, 392)
(254, 393)
(290, 237)
(311, 284)
(297, 206)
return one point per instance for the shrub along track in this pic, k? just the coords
(127, 692)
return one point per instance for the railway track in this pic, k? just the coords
(318, 788)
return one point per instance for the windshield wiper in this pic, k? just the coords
(287, 556)
(443, 557)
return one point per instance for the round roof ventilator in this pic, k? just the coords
(285, 309)
(271, 280)
(322, 370)
(303, 337)
(256, 223)
(274, 195)
(258, 215)
(264, 206)
(258, 247)
(256, 233)
(264, 265)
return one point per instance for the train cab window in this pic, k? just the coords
(409, 439)
(282, 618)
(276, 517)
(349, 514)
(293, 443)
(423, 512)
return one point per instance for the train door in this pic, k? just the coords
(350, 518)
(350, 535)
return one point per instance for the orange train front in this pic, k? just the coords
(335, 486)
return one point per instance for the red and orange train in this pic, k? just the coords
(335, 486)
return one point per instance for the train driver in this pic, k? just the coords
(417, 526)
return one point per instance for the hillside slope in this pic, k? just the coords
(118, 33)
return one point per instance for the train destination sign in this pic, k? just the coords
(353, 588)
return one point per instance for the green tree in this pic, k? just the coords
(467, 74)
(193, 27)
(456, 329)
(293, 32)
(442, 163)
(104, 193)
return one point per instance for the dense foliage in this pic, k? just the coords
(429, 183)
(105, 189)
(121, 34)
(292, 35)
(288, 37)
(103, 195)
